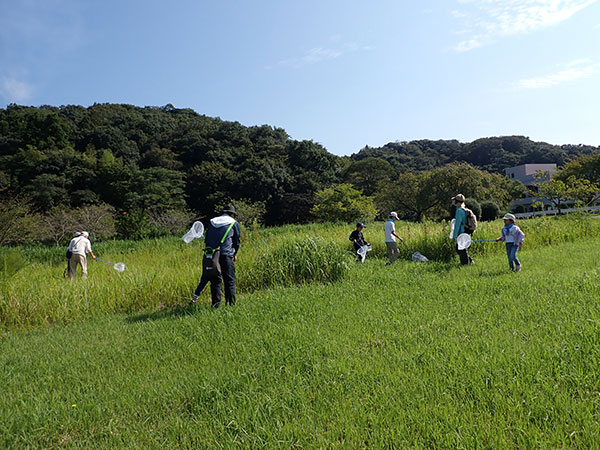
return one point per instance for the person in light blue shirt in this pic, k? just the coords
(460, 219)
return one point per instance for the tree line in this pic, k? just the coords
(493, 154)
(143, 171)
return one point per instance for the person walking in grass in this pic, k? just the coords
(220, 254)
(513, 237)
(460, 221)
(77, 250)
(390, 238)
(358, 239)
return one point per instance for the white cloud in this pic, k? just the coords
(15, 91)
(575, 70)
(486, 21)
(319, 54)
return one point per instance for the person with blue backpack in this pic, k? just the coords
(220, 254)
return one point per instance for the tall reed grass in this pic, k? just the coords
(163, 272)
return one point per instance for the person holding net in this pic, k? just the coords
(220, 253)
(513, 237)
(77, 250)
(358, 239)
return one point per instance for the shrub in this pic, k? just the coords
(343, 203)
(248, 211)
(133, 224)
(489, 210)
(61, 222)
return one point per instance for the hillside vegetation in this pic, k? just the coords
(164, 159)
(492, 153)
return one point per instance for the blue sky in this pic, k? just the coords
(343, 73)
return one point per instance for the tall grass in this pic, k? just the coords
(296, 261)
(163, 272)
(408, 356)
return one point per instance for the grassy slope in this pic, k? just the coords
(416, 355)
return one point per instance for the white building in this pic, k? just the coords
(529, 175)
(526, 173)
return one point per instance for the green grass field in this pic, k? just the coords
(410, 356)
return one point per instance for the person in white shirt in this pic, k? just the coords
(78, 248)
(390, 238)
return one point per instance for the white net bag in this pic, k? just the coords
(195, 232)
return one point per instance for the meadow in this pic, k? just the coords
(320, 351)
(162, 273)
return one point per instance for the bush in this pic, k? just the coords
(60, 223)
(343, 203)
(134, 225)
(489, 210)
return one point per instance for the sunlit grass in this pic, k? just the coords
(409, 356)
(163, 272)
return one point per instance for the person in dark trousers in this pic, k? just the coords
(220, 254)
(459, 227)
(358, 239)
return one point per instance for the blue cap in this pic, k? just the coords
(360, 224)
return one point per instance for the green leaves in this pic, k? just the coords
(343, 203)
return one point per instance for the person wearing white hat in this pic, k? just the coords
(78, 248)
(390, 238)
(513, 237)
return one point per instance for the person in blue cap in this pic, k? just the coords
(358, 239)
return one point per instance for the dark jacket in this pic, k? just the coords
(358, 237)
(217, 229)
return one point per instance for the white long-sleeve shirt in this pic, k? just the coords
(80, 246)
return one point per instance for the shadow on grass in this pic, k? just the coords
(168, 313)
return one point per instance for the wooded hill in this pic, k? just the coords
(493, 154)
(134, 158)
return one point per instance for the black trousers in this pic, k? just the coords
(228, 277)
(227, 274)
(464, 256)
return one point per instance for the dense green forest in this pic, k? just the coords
(133, 159)
(493, 154)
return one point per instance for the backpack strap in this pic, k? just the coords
(209, 251)
(227, 232)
